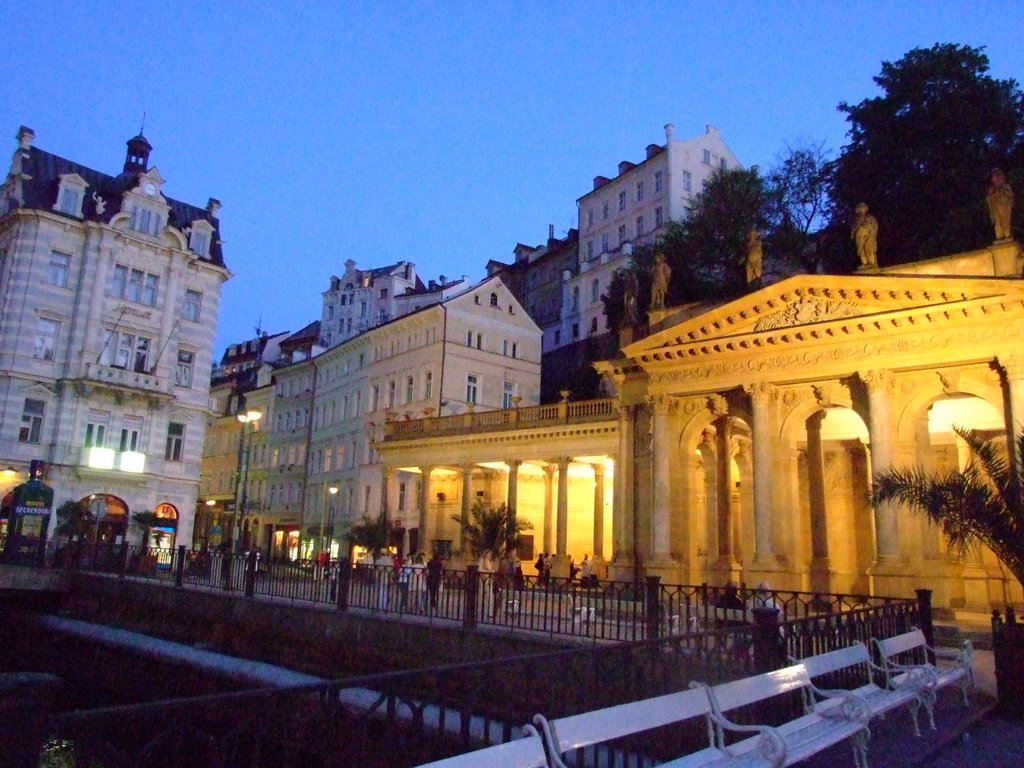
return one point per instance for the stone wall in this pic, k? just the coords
(312, 639)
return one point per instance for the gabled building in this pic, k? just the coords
(475, 351)
(109, 295)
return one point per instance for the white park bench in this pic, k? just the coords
(880, 699)
(924, 676)
(577, 739)
(527, 752)
(829, 719)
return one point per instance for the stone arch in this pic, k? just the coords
(921, 398)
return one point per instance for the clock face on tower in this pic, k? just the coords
(150, 188)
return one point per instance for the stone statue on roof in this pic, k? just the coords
(629, 298)
(864, 233)
(660, 274)
(753, 257)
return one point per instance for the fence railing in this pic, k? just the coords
(605, 611)
(406, 718)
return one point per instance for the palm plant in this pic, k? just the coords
(494, 530)
(981, 504)
(146, 522)
(74, 520)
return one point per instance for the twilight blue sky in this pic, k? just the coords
(438, 132)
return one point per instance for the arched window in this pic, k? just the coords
(494, 299)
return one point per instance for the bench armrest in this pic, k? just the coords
(853, 707)
(771, 744)
(918, 675)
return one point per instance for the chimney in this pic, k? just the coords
(669, 132)
(551, 231)
(25, 137)
(213, 207)
(441, 279)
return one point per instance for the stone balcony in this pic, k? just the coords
(127, 379)
(553, 414)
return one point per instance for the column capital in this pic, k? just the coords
(878, 381)
(467, 469)
(718, 405)
(426, 469)
(598, 470)
(513, 464)
(661, 405)
(761, 393)
(1013, 365)
(563, 462)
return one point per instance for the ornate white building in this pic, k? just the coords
(109, 295)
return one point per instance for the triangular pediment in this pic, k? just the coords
(815, 307)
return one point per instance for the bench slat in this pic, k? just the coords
(527, 752)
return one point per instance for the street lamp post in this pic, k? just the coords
(323, 515)
(333, 490)
(248, 421)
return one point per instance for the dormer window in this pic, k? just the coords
(70, 194)
(144, 220)
(199, 238)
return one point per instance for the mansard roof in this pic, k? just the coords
(40, 183)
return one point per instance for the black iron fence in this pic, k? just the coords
(406, 718)
(606, 611)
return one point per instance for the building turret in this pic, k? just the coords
(137, 159)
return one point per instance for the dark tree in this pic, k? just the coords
(920, 153)
(708, 256)
(798, 206)
(705, 251)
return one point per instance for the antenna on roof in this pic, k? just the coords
(259, 324)
(143, 126)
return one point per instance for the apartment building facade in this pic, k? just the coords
(109, 296)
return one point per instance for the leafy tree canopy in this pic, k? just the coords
(705, 251)
(920, 153)
(798, 188)
(372, 534)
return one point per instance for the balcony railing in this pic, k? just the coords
(123, 377)
(564, 412)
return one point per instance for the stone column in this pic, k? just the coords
(426, 536)
(723, 472)
(512, 494)
(660, 493)
(1013, 367)
(549, 509)
(467, 491)
(562, 530)
(762, 398)
(879, 385)
(816, 491)
(622, 503)
(598, 512)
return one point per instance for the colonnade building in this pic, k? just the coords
(743, 437)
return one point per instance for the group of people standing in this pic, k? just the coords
(416, 580)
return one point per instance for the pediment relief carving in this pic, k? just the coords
(808, 309)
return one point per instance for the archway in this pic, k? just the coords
(110, 516)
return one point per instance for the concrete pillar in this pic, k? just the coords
(512, 494)
(880, 385)
(723, 473)
(598, 512)
(549, 511)
(762, 398)
(467, 492)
